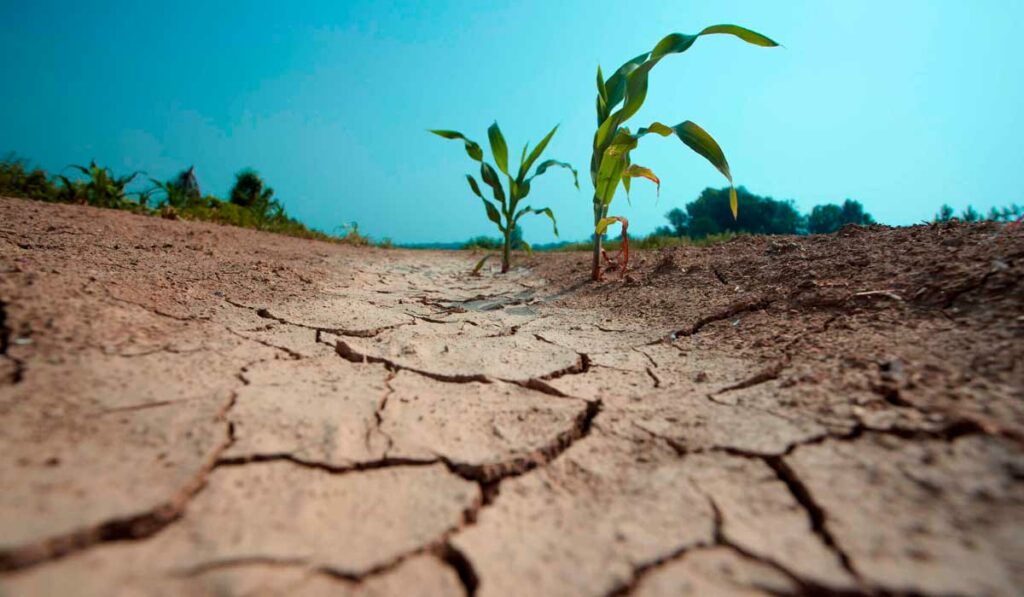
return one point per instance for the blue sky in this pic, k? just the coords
(902, 105)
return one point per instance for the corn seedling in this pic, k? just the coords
(504, 209)
(610, 162)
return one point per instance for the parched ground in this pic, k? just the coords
(187, 409)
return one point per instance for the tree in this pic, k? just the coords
(853, 213)
(826, 219)
(251, 193)
(679, 220)
(945, 214)
(970, 214)
(187, 182)
(710, 214)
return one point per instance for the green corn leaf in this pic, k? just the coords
(490, 178)
(629, 83)
(698, 140)
(616, 90)
(635, 171)
(676, 43)
(615, 86)
(525, 166)
(673, 43)
(522, 156)
(544, 210)
(636, 91)
(472, 148)
(626, 180)
(743, 33)
(523, 188)
(603, 223)
(499, 149)
(702, 143)
(656, 127)
(543, 167)
(492, 213)
(604, 132)
(613, 163)
(526, 245)
(480, 264)
(473, 185)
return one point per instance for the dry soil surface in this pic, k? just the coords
(192, 409)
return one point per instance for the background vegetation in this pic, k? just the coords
(251, 202)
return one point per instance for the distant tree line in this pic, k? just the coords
(709, 215)
(1009, 213)
(491, 243)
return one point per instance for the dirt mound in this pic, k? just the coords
(187, 408)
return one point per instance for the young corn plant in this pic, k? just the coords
(504, 210)
(619, 97)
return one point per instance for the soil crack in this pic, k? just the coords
(5, 342)
(265, 313)
(462, 566)
(132, 528)
(743, 306)
(488, 473)
(815, 512)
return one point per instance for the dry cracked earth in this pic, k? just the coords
(187, 409)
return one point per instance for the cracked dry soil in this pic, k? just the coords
(193, 409)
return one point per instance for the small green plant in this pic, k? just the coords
(610, 162)
(101, 189)
(504, 210)
(350, 235)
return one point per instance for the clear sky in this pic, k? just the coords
(903, 105)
